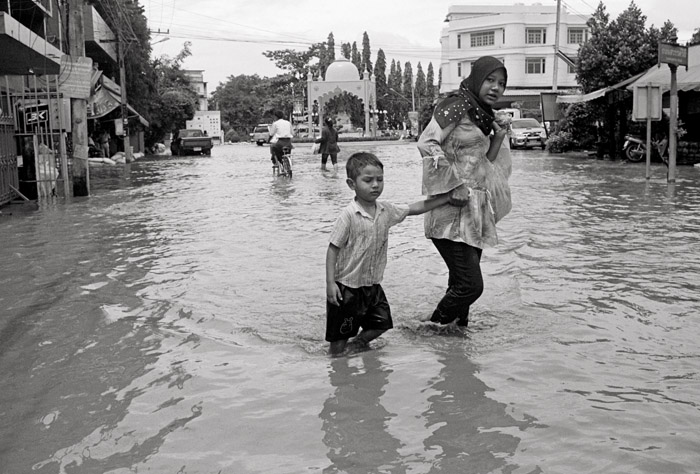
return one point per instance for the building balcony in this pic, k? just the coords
(24, 50)
(100, 41)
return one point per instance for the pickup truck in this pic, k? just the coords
(191, 142)
(261, 134)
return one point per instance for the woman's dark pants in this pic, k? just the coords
(465, 284)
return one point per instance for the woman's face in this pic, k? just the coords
(493, 87)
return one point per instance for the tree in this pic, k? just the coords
(330, 47)
(616, 51)
(407, 86)
(356, 58)
(326, 54)
(696, 37)
(381, 82)
(298, 63)
(175, 100)
(595, 55)
(430, 84)
(366, 54)
(346, 51)
(242, 101)
(420, 88)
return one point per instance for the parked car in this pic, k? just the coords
(191, 142)
(526, 133)
(261, 134)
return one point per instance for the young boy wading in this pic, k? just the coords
(356, 256)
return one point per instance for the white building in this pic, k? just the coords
(523, 37)
(196, 78)
(208, 121)
(204, 119)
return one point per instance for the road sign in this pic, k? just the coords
(673, 54)
(646, 103)
(36, 114)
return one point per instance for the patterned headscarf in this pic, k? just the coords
(466, 101)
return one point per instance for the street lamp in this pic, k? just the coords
(412, 101)
(160, 41)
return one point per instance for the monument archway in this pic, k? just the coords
(342, 76)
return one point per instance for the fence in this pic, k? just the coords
(8, 159)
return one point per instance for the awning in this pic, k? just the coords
(101, 103)
(104, 101)
(579, 98)
(661, 76)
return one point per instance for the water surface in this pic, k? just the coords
(174, 321)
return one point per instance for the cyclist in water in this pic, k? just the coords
(280, 137)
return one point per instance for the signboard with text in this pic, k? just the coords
(673, 54)
(36, 114)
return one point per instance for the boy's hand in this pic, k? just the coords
(333, 294)
(459, 196)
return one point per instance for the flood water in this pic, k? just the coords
(173, 322)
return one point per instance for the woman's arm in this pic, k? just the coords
(432, 138)
(439, 173)
(499, 134)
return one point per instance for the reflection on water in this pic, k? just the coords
(467, 425)
(354, 419)
(174, 321)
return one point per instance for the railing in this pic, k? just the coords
(8, 160)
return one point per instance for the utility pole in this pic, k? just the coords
(76, 40)
(673, 126)
(555, 69)
(122, 84)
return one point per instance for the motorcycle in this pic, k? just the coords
(635, 149)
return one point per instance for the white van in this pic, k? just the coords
(513, 113)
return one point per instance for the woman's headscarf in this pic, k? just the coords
(466, 101)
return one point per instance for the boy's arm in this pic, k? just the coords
(420, 207)
(333, 294)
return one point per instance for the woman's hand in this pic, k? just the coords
(459, 196)
(498, 130)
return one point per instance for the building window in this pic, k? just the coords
(577, 35)
(534, 66)
(459, 41)
(535, 36)
(459, 69)
(485, 38)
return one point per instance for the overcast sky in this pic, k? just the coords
(229, 36)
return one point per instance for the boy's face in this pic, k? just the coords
(369, 184)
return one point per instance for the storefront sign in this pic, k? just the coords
(673, 54)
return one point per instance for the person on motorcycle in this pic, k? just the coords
(280, 137)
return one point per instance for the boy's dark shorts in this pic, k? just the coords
(365, 307)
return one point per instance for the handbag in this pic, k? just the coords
(316, 148)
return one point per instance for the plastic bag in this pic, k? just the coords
(316, 148)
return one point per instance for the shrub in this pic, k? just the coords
(232, 136)
(560, 142)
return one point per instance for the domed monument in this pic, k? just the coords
(342, 76)
(342, 70)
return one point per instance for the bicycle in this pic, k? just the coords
(283, 166)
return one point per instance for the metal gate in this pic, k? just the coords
(8, 159)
